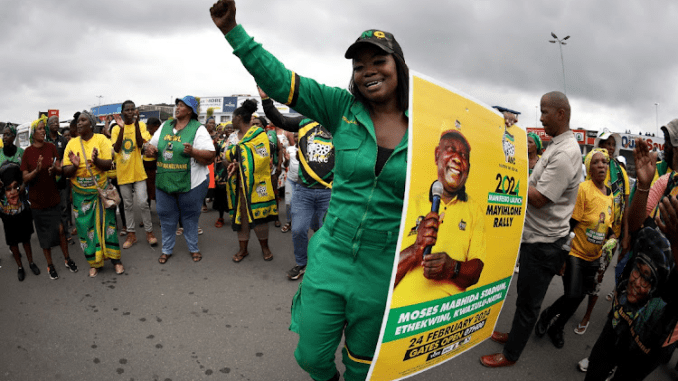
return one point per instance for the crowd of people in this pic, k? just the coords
(343, 167)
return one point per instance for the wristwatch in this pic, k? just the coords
(457, 266)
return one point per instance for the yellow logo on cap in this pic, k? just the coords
(379, 34)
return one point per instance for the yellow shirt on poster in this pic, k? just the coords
(593, 210)
(82, 177)
(461, 235)
(128, 162)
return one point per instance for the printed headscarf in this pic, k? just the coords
(34, 126)
(537, 141)
(589, 158)
(12, 129)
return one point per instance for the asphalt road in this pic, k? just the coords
(214, 319)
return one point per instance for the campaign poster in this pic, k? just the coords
(482, 167)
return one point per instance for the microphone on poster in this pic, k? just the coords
(436, 193)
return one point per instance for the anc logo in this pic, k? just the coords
(127, 146)
(370, 33)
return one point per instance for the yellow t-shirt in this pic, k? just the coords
(593, 210)
(461, 234)
(128, 162)
(82, 177)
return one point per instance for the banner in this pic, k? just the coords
(482, 165)
(216, 103)
(581, 136)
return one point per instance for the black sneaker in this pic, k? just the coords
(52, 272)
(21, 274)
(34, 268)
(71, 265)
(556, 336)
(296, 272)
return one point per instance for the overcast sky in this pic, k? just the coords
(619, 61)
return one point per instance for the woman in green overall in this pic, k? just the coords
(351, 257)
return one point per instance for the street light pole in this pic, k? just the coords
(99, 109)
(562, 62)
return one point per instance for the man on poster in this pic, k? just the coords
(455, 233)
(552, 194)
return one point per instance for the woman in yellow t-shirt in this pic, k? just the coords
(591, 222)
(86, 160)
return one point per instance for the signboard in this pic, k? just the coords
(216, 103)
(230, 104)
(115, 108)
(463, 144)
(260, 110)
(52, 113)
(580, 135)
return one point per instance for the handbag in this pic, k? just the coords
(108, 195)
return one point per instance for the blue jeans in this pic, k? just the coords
(308, 210)
(539, 262)
(185, 206)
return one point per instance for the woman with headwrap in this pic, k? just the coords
(86, 161)
(534, 147)
(17, 220)
(40, 166)
(591, 223)
(184, 150)
(9, 151)
(251, 198)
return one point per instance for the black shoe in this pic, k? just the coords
(71, 265)
(34, 268)
(296, 272)
(21, 274)
(543, 323)
(556, 336)
(52, 272)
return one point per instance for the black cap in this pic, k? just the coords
(384, 40)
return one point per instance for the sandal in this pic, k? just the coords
(286, 227)
(204, 208)
(180, 231)
(239, 257)
(163, 259)
(581, 329)
(609, 296)
(93, 271)
(123, 231)
(196, 257)
(219, 223)
(119, 269)
(200, 231)
(74, 231)
(277, 224)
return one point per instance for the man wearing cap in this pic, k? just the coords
(455, 233)
(552, 195)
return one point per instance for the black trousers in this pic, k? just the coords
(539, 262)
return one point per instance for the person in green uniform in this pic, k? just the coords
(351, 257)
(10, 152)
(184, 149)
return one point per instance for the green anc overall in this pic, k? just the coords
(174, 167)
(351, 258)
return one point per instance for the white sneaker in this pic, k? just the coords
(584, 364)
